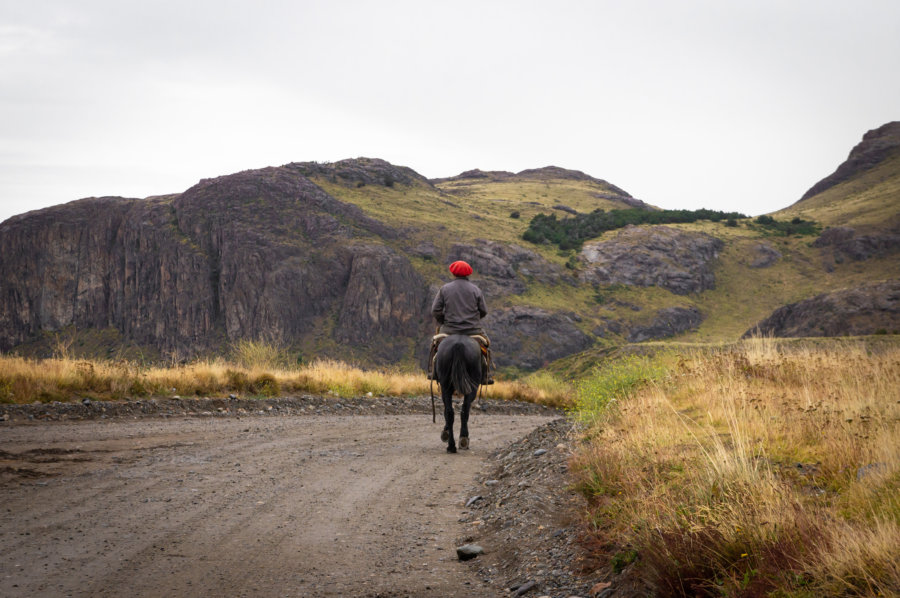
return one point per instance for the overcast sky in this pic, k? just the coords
(732, 105)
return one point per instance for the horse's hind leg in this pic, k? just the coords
(447, 433)
(464, 420)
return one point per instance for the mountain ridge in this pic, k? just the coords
(876, 145)
(342, 259)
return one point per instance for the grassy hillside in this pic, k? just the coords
(871, 198)
(466, 209)
(744, 295)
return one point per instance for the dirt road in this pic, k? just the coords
(240, 506)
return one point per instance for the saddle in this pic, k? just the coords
(482, 339)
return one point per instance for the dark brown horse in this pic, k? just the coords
(457, 368)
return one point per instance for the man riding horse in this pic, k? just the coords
(459, 360)
(458, 308)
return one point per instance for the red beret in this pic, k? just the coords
(460, 268)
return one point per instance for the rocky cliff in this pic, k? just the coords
(505, 268)
(530, 338)
(679, 261)
(846, 244)
(868, 309)
(259, 254)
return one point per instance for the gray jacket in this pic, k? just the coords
(458, 307)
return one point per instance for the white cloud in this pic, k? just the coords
(738, 105)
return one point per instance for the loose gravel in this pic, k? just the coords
(518, 507)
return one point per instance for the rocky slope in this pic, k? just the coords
(259, 254)
(504, 268)
(868, 309)
(529, 337)
(863, 192)
(681, 262)
(844, 243)
(262, 254)
(667, 322)
(876, 145)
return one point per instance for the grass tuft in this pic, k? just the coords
(259, 354)
(762, 469)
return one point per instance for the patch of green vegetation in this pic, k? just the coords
(570, 233)
(265, 385)
(615, 381)
(620, 560)
(6, 390)
(795, 226)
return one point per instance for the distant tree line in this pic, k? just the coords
(570, 233)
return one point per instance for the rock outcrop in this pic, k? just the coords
(867, 309)
(258, 254)
(676, 260)
(529, 337)
(360, 172)
(104, 262)
(846, 244)
(876, 145)
(762, 255)
(668, 322)
(504, 269)
(385, 300)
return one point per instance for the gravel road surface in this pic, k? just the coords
(245, 505)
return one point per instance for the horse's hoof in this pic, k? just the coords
(451, 449)
(463, 442)
(445, 435)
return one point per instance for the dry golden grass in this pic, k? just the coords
(261, 373)
(763, 468)
(867, 199)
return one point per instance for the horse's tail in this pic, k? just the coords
(462, 381)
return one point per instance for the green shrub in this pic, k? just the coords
(265, 385)
(570, 233)
(138, 388)
(797, 226)
(6, 390)
(236, 380)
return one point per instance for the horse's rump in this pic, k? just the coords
(458, 364)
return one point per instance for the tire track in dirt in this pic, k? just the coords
(252, 506)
